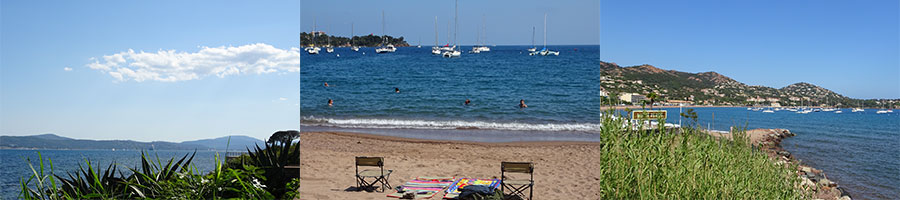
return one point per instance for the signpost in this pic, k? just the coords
(648, 114)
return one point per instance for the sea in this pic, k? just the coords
(860, 151)
(561, 92)
(14, 163)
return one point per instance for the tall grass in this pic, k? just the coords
(686, 163)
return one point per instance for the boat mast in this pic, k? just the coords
(483, 31)
(545, 30)
(448, 32)
(383, 36)
(435, 32)
(351, 35)
(532, 37)
(314, 32)
(456, 24)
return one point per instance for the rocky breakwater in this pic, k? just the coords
(812, 180)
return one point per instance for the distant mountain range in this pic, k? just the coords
(52, 141)
(711, 88)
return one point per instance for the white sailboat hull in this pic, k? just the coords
(450, 54)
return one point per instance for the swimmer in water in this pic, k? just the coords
(397, 90)
(467, 102)
(326, 84)
(330, 103)
(522, 104)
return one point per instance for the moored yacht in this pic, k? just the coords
(544, 51)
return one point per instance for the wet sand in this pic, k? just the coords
(563, 170)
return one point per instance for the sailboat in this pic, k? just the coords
(481, 47)
(352, 42)
(436, 49)
(858, 110)
(532, 49)
(328, 47)
(476, 48)
(447, 47)
(313, 49)
(390, 47)
(453, 52)
(544, 51)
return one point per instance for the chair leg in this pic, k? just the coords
(520, 191)
(531, 191)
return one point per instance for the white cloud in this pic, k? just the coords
(67, 69)
(282, 98)
(172, 66)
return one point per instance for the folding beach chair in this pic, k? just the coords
(379, 175)
(517, 186)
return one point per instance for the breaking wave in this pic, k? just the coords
(447, 124)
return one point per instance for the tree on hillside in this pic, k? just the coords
(652, 97)
(614, 95)
(283, 137)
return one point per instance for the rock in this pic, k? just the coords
(827, 183)
(805, 182)
(844, 198)
(844, 192)
(808, 170)
(784, 153)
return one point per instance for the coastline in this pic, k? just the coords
(563, 170)
(812, 180)
(648, 107)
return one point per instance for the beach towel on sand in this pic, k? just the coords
(453, 191)
(424, 187)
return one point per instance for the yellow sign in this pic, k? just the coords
(648, 114)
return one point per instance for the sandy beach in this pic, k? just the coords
(563, 170)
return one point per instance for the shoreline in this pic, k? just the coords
(812, 180)
(428, 141)
(633, 107)
(464, 135)
(563, 170)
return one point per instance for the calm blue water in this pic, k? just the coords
(15, 167)
(861, 151)
(561, 92)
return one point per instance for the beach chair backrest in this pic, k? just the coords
(370, 161)
(517, 167)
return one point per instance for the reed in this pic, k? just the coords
(686, 163)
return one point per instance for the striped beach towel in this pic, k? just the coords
(424, 186)
(453, 191)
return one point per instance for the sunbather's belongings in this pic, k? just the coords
(379, 175)
(454, 190)
(422, 187)
(475, 192)
(517, 186)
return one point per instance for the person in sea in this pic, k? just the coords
(397, 90)
(467, 102)
(326, 84)
(330, 102)
(522, 104)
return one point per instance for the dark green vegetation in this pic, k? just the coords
(686, 163)
(711, 88)
(306, 39)
(261, 176)
(51, 141)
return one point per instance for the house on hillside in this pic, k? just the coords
(634, 98)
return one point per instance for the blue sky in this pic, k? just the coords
(49, 82)
(850, 47)
(506, 22)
